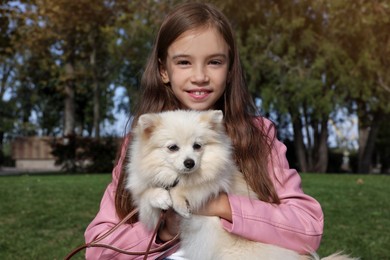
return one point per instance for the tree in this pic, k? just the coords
(71, 37)
(308, 58)
(8, 34)
(287, 59)
(37, 90)
(132, 39)
(360, 29)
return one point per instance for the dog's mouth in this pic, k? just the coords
(186, 171)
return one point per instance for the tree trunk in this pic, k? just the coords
(96, 109)
(93, 40)
(368, 133)
(69, 127)
(321, 147)
(1, 147)
(299, 145)
(96, 94)
(312, 156)
(309, 142)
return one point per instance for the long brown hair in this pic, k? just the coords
(252, 145)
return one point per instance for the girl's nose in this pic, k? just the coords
(199, 75)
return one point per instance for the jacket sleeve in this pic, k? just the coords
(127, 237)
(296, 223)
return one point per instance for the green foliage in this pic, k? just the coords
(287, 59)
(131, 39)
(286, 56)
(364, 79)
(83, 47)
(7, 115)
(305, 59)
(7, 70)
(365, 42)
(63, 44)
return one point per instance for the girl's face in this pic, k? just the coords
(197, 67)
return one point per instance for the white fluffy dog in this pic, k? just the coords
(181, 159)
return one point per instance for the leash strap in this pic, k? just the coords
(95, 242)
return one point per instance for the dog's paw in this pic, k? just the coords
(180, 204)
(160, 199)
(182, 209)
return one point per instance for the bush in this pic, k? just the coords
(80, 154)
(6, 158)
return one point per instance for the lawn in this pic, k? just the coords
(44, 217)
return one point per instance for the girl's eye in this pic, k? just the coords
(183, 62)
(215, 62)
(173, 148)
(197, 146)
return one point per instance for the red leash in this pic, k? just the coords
(95, 243)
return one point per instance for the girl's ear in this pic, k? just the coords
(163, 72)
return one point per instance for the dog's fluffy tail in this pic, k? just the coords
(339, 256)
(336, 256)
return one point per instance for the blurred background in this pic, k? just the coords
(70, 72)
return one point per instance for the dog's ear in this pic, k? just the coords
(147, 123)
(214, 118)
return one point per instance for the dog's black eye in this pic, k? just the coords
(197, 146)
(173, 148)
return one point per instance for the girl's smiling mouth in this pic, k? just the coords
(199, 94)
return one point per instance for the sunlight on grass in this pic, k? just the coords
(44, 217)
(357, 213)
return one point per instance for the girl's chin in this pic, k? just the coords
(198, 107)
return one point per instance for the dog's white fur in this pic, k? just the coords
(181, 159)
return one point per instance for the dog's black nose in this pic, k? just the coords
(189, 163)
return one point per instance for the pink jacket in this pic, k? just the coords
(296, 224)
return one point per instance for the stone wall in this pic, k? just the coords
(34, 153)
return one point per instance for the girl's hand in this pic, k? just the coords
(170, 227)
(218, 206)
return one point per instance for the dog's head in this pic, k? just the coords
(180, 137)
(177, 141)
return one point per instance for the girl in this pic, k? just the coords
(195, 65)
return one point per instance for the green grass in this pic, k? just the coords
(44, 217)
(357, 213)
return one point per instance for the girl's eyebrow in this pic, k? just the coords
(179, 56)
(217, 55)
